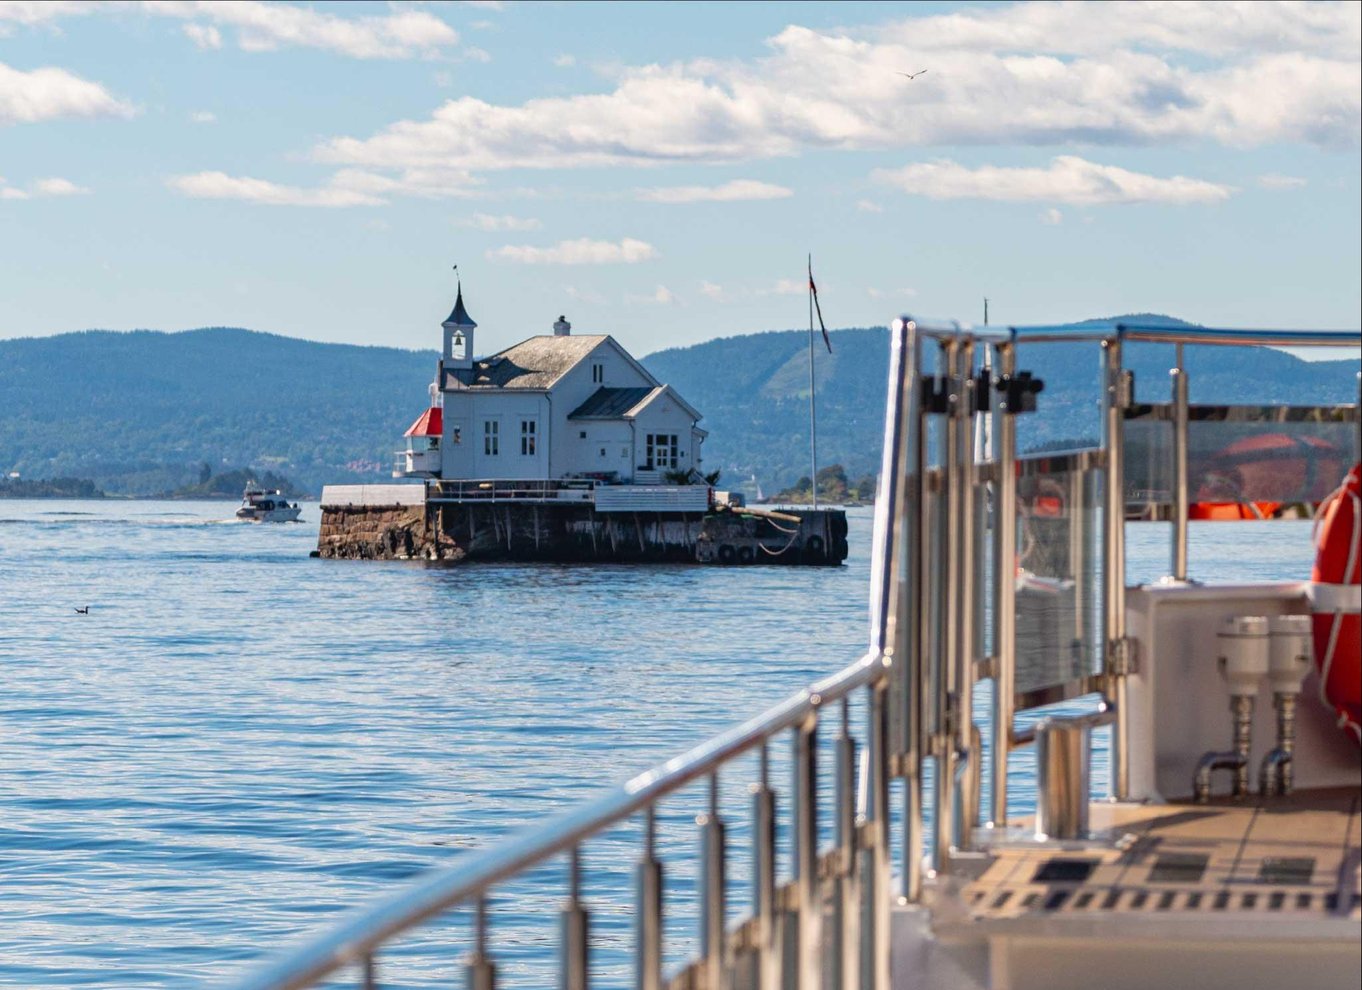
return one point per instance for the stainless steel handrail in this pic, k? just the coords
(357, 938)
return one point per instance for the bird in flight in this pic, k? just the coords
(913, 75)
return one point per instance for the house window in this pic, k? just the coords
(581, 435)
(527, 435)
(597, 373)
(661, 451)
(457, 436)
(491, 437)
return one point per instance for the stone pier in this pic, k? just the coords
(393, 522)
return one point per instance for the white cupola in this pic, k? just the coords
(459, 327)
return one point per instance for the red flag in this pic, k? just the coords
(819, 309)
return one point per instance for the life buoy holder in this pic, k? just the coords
(1336, 602)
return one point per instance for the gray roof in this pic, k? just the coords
(611, 403)
(535, 364)
(458, 315)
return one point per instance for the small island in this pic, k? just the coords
(833, 489)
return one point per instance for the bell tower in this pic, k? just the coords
(459, 327)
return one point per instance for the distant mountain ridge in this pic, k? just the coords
(141, 411)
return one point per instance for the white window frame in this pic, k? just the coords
(529, 430)
(491, 438)
(597, 373)
(662, 451)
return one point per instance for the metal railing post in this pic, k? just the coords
(1115, 398)
(846, 910)
(479, 972)
(1005, 584)
(764, 876)
(712, 890)
(875, 881)
(648, 946)
(573, 957)
(807, 963)
(1180, 508)
(963, 619)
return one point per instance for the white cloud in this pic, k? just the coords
(203, 117)
(1045, 74)
(738, 189)
(1274, 181)
(787, 287)
(1052, 217)
(404, 33)
(42, 188)
(565, 61)
(219, 185)
(203, 35)
(50, 93)
(868, 206)
(714, 291)
(58, 187)
(661, 296)
(583, 251)
(484, 221)
(874, 293)
(477, 55)
(1068, 179)
(588, 296)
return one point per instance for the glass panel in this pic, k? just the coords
(1269, 457)
(1059, 572)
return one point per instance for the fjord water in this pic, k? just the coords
(239, 741)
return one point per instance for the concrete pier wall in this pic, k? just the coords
(578, 533)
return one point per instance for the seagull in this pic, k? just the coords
(83, 611)
(913, 75)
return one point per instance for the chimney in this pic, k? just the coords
(562, 328)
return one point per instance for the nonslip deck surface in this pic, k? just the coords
(1292, 856)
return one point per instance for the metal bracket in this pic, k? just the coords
(1122, 658)
(985, 668)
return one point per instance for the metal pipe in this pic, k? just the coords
(764, 876)
(1237, 760)
(370, 977)
(944, 659)
(910, 640)
(648, 942)
(1005, 586)
(1115, 398)
(966, 647)
(1062, 755)
(808, 908)
(875, 943)
(1275, 774)
(1180, 507)
(479, 972)
(712, 890)
(843, 966)
(574, 948)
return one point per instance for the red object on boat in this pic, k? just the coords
(429, 424)
(1336, 601)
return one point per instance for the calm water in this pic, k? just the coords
(239, 741)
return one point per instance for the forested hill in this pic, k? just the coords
(142, 412)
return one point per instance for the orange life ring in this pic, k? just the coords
(1336, 602)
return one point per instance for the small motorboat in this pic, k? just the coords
(259, 505)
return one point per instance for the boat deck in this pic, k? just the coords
(1296, 855)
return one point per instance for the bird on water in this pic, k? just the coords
(83, 611)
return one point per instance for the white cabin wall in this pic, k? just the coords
(508, 410)
(457, 458)
(607, 446)
(665, 415)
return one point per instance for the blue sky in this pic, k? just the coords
(660, 171)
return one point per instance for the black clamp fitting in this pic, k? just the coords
(1019, 392)
(936, 394)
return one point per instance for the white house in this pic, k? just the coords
(554, 407)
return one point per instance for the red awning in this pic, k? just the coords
(429, 424)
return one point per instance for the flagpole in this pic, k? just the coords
(813, 406)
